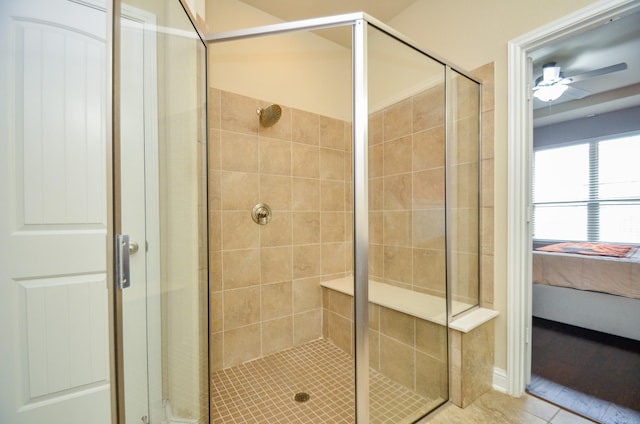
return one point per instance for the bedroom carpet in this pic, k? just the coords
(594, 374)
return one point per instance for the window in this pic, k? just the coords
(588, 191)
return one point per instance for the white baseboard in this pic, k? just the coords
(499, 380)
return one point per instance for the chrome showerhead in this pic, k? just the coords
(269, 115)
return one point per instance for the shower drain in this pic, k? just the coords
(301, 397)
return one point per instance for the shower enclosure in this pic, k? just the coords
(332, 304)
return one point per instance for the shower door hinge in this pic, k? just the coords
(121, 247)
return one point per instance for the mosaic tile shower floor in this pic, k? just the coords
(263, 390)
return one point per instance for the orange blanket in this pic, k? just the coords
(590, 248)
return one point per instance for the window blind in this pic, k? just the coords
(588, 191)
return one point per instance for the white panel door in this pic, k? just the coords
(54, 359)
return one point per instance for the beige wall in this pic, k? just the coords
(491, 24)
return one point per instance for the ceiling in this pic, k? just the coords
(617, 41)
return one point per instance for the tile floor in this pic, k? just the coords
(498, 408)
(263, 391)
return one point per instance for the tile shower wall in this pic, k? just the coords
(264, 280)
(407, 192)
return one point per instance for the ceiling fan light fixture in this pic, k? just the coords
(550, 93)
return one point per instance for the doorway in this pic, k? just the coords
(519, 189)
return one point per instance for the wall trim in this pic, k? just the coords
(499, 380)
(520, 141)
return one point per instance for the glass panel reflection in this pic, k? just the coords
(407, 249)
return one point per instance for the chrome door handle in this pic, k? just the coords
(122, 249)
(133, 247)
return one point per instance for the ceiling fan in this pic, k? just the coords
(552, 83)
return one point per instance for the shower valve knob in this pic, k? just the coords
(261, 214)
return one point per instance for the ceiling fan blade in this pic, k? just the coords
(576, 93)
(598, 72)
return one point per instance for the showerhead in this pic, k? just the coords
(269, 115)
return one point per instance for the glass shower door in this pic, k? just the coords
(407, 238)
(162, 200)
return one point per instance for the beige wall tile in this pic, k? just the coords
(241, 307)
(375, 227)
(429, 271)
(213, 149)
(305, 261)
(277, 335)
(428, 109)
(341, 332)
(341, 304)
(397, 156)
(398, 192)
(331, 133)
(429, 188)
(307, 295)
(239, 231)
(215, 271)
(331, 164)
(305, 194)
(276, 264)
(276, 300)
(241, 344)
(398, 326)
(397, 264)
(397, 228)
(332, 196)
(376, 160)
(305, 127)
(333, 227)
(215, 312)
(238, 113)
(239, 190)
(429, 229)
(376, 131)
(307, 326)
(397, 361)
(428, 149)
(278, 231)
(397, 120)
(213, 108)
(431, 339)
(466, 177)
(275, 156)
(241, 268)
(238, 152)
(374, 350)
(333, 258)
(216, 352)
(431, 377)
(306, 227)
(376, 194)
(275, 191)
(305, 160)
(467, 133)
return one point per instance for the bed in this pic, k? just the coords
(590, 285)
